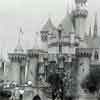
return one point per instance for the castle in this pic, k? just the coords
(66, 49)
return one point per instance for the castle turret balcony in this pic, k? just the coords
(80, 13)
(84, 52)
(33, 53)
(17, 57)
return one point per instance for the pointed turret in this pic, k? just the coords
(48, 26)
(17, 59)
(90, 33)
(67, 23)
(19, 48)
(18, 53)
(36, 41)
(95, 33)
(44, 33)
(79, 16)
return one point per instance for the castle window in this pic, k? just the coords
(44, 36)
(37, 97)
(96, 55)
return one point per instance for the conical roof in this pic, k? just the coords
(95, 34)
(19, 48)
(18, 53)
(67, 24)
(48, 26)
(36, 41)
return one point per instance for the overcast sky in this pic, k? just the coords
(31, 15)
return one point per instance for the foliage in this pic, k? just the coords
(5, 94)
(55, 80)
(92, 81)
(57, 86)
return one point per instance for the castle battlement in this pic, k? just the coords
(17, 56)
(84, 52)
(80, 13)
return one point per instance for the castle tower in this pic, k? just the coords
(33, 56)
(47, 28)
(83, 55)
(17, 59)
(79, 15)
(33, 62)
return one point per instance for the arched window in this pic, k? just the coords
(37, 97)
(96, 55)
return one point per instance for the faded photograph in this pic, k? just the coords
(49, 50)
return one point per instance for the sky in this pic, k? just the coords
(31, 15)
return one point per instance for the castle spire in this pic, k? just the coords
(19, 46)
(95, 26)
(36, 41)
(72, 5)
(79, 16)
(90, 33)
(81, 4)
(1, 54)
(67, 6)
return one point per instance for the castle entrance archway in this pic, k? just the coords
(37, 97)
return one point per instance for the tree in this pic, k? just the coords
(4, 94)
(92, 81)
(57, 86)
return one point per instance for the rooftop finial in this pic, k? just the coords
(19, 46)
(95, 26)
